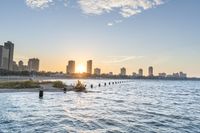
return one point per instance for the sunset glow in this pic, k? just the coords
(80, 68)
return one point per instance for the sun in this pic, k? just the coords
(80, 68)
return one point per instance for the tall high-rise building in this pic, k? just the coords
(140, 72)
(71, 67)
(123, 71)
(150, 71)
(33, 64)
(10, 46)
(97, 71)
(89, 66)
(4, 58)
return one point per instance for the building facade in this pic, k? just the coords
(89, 66)
(21, 65)
(10, 46)
(70, 67)
(97, 71)
(123, 71)
(33, 64)
(140, 72)
(150, 71)
(15, 66)
(4, 58)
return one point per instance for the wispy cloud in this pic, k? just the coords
(110, 24)
(120, 59)
(114, 22)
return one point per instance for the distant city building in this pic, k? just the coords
(71, 67)
(21, 65)
(26, 68)
(33, 64)
(162, 74)
(150, 71)
(89, 66)
(10, 46)
(110, 73)
(134, 74)
(97, 71)
(4, 58)
(182, 75)
(175, 75)
(178, 75)
(140, 72)
(15, 66)
(123, 71)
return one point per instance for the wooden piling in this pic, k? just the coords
(65, 89)
(41, 93)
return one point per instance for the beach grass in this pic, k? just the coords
(19, 85)
(59, 84)
(30, 84)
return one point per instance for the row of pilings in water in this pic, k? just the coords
(109, 83)
(41, 91)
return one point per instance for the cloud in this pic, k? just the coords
(120, 59)
(44, 3)
(126, 8)
(38, 3)
(110, 24)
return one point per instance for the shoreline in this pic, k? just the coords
(47, 78)
(46, 88)
(28, 90)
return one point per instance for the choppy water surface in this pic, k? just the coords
(138, 106)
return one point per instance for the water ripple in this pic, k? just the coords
(136, 107)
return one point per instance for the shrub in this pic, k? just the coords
(58, 84)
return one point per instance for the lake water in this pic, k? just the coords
(140, 106)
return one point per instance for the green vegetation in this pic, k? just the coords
(19, 85)
(58, 84)
(29, 84)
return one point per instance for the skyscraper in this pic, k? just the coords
(140, 72)
(123, 71)
(4, 58)
(33, 64)
(10, 46)
(71, 67)
(97, 71)
(89, 66)
(150, 71)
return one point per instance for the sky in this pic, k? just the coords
(134, 34)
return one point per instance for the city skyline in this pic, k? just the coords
(33, 65)
(164, 35)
